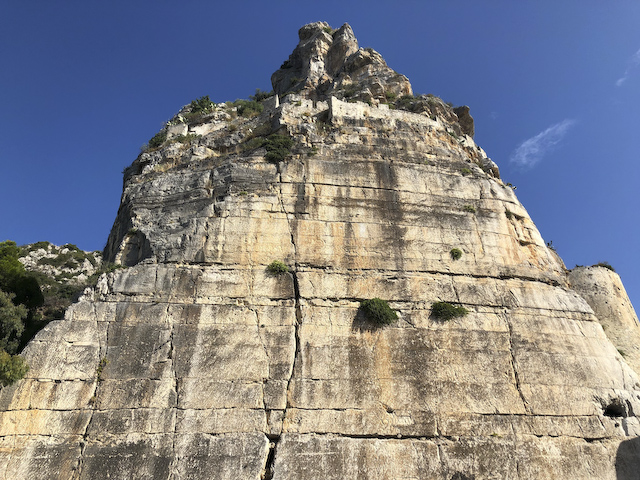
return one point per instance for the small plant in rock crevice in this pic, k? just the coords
(277, 268)
(378, 311)
(101, 365)
(447, 311)
(455, 253)
(469, 208)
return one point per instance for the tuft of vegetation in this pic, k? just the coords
(329, 30)
(390, 96)
(456, 253)
(261, 95)
(103, 363)
(469, 208)
(12, 368)
(158, 139)
(349, 91)
(446, 311)
(248, 108)
(202, 105)
(277, 268)
(278, 147)
(188, 138)
(605, 265)
(378, 311)
(466, 171)
(405, 102)
(106, 267)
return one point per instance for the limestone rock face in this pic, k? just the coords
(197, 362)
(329, 62)
(602, 288)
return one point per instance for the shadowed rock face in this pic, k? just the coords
(196, 362)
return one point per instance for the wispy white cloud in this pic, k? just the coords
(531, 151)
(633, 63)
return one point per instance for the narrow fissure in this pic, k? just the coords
(271, 457)
(527, 408)
(172, 357)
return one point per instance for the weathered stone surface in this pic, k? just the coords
(196, 362)
(465, 119)
(603, 290)
(329, 62)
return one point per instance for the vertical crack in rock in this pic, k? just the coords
(77, 471)
(172, 357)
(525, 403)
(268, 471)
(263, 341)
(296, 286)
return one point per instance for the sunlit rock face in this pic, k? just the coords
(197, 362)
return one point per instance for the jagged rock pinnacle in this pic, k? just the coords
(328, 61)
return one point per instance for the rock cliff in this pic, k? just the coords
(198, 362)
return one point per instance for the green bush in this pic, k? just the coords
(158, 139)
(605, 265)
(456, 253)
(277, 268)
(466, 171)
(202, 105)
(378, 311)
(469, 208)
(278, 147)
(12, 319)
(391, 96)
(446, 311)
(261, 95)
(248, 108)
(405, 102)
(12, 368)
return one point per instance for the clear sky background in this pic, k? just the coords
(554, 87)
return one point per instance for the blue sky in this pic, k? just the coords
(554, 88)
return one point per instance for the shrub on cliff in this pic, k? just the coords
(248, 108)
(278, 147)
(277, 268)
(446, 311)
(12, 319)
(158, 139)
(456, 253)
(378, 311)
(12, 368)
(605, 265)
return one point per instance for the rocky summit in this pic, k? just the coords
(243, 340)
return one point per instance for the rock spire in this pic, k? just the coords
(329, 62)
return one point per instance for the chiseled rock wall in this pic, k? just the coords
(196, 363)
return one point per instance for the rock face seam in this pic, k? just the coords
(514, 365)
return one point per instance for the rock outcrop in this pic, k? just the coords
(197, 362)
(602, 288)
(329, 62)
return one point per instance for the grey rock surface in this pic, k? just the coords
(196, 362)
